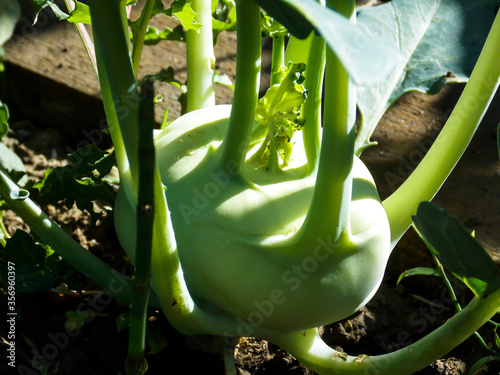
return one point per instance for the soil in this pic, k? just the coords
(398, 315)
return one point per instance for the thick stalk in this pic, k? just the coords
(334, 179)
(141, 282)
(311, 132)
(200, 58)
(246, 90)
(451, 143)
(139, 35)
(62, 243)
(310, 350)
(118, 85)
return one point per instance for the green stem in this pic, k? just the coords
(311, 132)
(257, 157)
(310, 350)
(5, 235)
(139, 35)
(451, 143)
(118, 85)
(273, 163)
(84, 37)
(246, 90)
(141, 282)
(200, 59)
(278, 59)
(334, 179)
(62, 243)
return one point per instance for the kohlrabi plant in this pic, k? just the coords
(258, 218)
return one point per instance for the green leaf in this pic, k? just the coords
(366, 59)
(271, 27)
(223, 79)
(9, 15)
(13, 165)
(81, 182)
(440, 41)
(89, 159)
(168, 76)
(154, 36)
(456, 249)
(420, 271)
(223, 17)
(37, 268)
(81, 14)
(4, 120)
(39, 5)
(183, 11)
(284, 100)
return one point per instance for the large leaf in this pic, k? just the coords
(9, 15)
(440, 41)
(366, 59)
(456, 249)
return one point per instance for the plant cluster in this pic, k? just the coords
(259, 216)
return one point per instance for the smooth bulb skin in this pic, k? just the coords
(238, 236)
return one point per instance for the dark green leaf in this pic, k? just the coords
(81, 182)
(154, 36)
(9, 15)
(366, 59)
(167, 76)
(422, 271)
(456, 249)
(439, 40)
(89, 159)
(37, 268)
